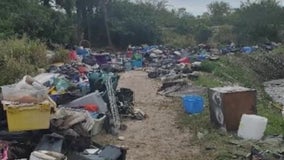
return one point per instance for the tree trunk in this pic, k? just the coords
(106, 23)
(79, 22)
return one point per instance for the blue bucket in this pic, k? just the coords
(193, 104)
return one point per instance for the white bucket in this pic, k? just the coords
(252, 127)
(98, 125)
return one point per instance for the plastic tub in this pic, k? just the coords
(92, 98)
(193, 104)
(98, 125)
(252, 127)
(31, 117)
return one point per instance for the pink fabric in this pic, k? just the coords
(73, 55)
(4, 154)
(184, 60)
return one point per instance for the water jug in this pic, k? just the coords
(252, 127)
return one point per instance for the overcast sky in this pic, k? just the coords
(197, 7)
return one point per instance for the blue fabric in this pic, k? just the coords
(82, 52)
(247, 50)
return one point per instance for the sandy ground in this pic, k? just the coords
(157, 137)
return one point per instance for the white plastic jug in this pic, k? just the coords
(252, 127)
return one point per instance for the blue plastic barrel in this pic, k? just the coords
(193, 104)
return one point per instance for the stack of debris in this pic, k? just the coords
(64, 108)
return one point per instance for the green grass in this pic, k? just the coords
(239, 70)
(208, 80)
(229, 70)
(279, 50)
(275, 124)
(216, 144)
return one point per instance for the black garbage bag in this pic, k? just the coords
(78, 144)
(64, 98)
(2, 112)
(3, 118)
(125, 95)
(125, 98)
(153, 75)
(15, 136)
(19, 150)
(89, 60)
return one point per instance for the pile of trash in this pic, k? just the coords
(55, 114)
(175, 68)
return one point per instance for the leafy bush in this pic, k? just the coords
(20, 57)
(61, 55)
(208, 66)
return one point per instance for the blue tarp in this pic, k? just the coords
(247, 49)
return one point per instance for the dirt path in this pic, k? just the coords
(157, 137)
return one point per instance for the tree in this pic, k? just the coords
(259, 21)
(218, 11)
(223, 34)
(202, 34)
(38, 22)
(105, 10)
(219, 8)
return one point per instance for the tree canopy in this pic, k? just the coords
(122, 22)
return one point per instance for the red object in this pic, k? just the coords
(82, 69)
(184, 60)
(91, 107)
(129, 54)
(72, 55)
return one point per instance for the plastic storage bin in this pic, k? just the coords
(32, 117)
(193, 104)
(252, 127)
(92, 98)
(98, 125)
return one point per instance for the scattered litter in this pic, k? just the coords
(121, 138)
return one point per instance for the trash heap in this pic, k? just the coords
(174, 67)
(54, 115)
(232, 108)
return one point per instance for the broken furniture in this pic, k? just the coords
(228, 104)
